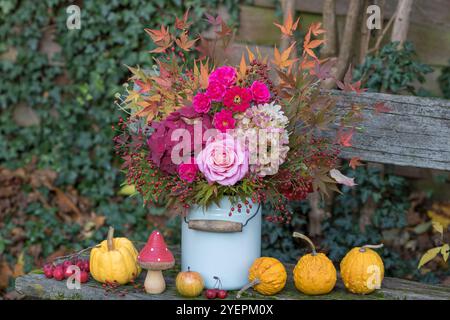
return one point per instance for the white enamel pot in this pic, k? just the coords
(216, 244)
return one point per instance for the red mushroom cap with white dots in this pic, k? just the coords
(155, 255)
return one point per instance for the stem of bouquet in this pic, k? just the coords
(316, 214)
(288, 7)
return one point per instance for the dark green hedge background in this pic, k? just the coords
(57, 105)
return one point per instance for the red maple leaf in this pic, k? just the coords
(225, 30)
(184, 43)
(381, 107)
(183, 24)
(144, 86)
(217, 21)
(347, 85)
(345, 138)
(289, 26)
(355, 162)
(323, 70)
(158, 35)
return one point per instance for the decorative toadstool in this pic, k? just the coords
(155, 257)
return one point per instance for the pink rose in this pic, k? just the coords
(224, 120)
(237, 99)
(201, 103)
(224, 75)
(223, 160)
(260, 92)
(188, 171)
(215, 91)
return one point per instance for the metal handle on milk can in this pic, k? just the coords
(219, 226)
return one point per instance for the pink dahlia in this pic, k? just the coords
(223, 160)
(201, 103)
(260, 92)
(224, 75)
(237, 99)
(224, 120)
(188, 171)
(215, 90)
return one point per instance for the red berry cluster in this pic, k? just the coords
(62, 271)
(239, 208)
(258, 70)
(147, 178)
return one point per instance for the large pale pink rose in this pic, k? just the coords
(223, 160)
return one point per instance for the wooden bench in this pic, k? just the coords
(414, 132)
(35, 285)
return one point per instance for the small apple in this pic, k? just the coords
(58, 273)
(86, 266)
(68, 272)
(66, 264)
(48, 270)
(80, 264)
(189, 283)
(84, 276)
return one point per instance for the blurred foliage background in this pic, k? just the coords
(59, 177)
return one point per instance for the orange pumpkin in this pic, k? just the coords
(267, 276)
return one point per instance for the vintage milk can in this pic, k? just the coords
(217, 244)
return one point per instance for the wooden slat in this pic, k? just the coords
(415, 132)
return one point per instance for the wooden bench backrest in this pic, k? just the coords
(415, 132)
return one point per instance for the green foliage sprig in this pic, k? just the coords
(444, 81)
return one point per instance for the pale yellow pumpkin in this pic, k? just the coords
(314, 273)
(362, 270)
(114, 260)
(267, 276)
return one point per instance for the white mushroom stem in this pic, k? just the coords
(154, 282)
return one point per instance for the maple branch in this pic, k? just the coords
(380, 38)
(330, 48)
(345, 52)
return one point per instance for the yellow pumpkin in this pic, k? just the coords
(114, 260)
(362, 269)
(314, 273)
(267, 276)
(189, 283)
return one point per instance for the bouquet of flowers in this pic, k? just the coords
(263, 130)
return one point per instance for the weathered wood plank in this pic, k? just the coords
(37, 286)
(436, 12)
(415, 132)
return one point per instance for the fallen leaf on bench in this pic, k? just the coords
(5, 274)
(341, 179)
